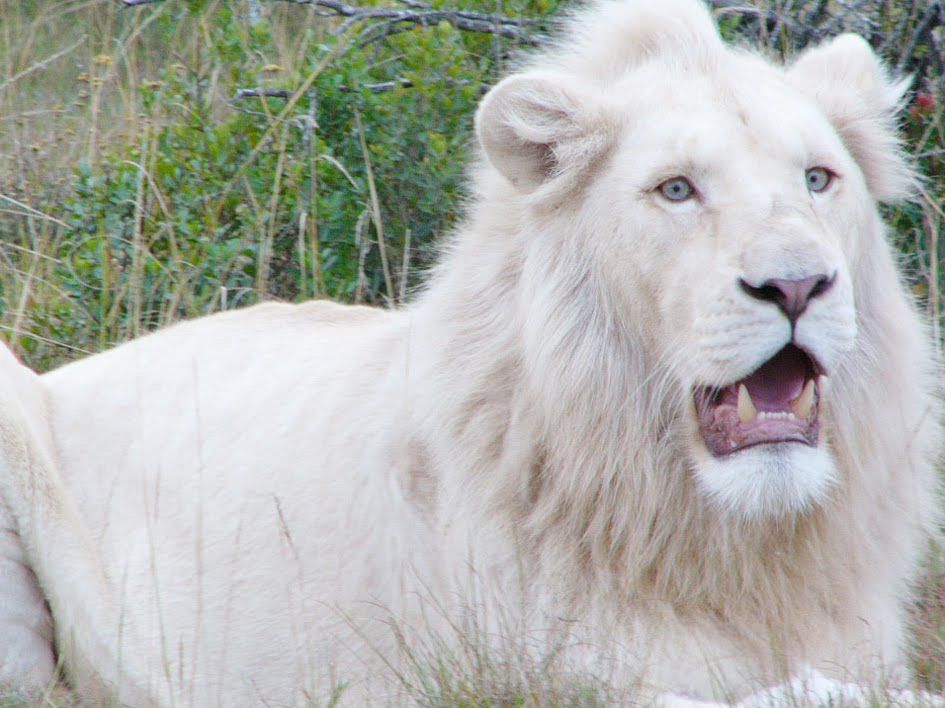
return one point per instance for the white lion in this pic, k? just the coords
(601, 441)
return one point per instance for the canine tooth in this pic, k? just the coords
(746, 407)
(803, 404)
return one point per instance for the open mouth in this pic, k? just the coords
(779, 402)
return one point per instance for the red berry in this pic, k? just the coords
(924, 101)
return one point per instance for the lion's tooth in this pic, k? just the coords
(746, 407)
(803, 404)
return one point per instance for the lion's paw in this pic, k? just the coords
(812, 688)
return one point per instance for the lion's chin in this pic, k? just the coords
(777, 403)
(767, 481)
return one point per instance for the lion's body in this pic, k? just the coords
(323, 513)
(258, 504)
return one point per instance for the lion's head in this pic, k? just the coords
(728, 207)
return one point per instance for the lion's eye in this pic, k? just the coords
(677, 189)
(818, 179)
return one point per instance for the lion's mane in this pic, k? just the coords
(558, 374)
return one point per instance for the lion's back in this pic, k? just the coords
(208, 387)
(229, 445)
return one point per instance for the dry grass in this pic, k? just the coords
(72, 87)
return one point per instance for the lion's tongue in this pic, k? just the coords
(779, 381)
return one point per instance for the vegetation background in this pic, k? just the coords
(162, 160)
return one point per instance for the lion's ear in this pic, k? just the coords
(853, 88)
(535, 127)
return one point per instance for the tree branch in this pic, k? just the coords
(384, 20)
(811, 23)
(379, 87)
(261, 93)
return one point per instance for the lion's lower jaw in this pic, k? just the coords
(767, 481)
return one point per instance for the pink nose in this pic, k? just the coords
(792, 296)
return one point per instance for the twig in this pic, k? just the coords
(930, 221)
(33, 212)
(384, 85)
(933, 12)
(41, 64)
(44, 340)
(261, 93)
(379, 87)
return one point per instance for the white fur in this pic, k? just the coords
(785, 480)
(26, 654)
(257, 505)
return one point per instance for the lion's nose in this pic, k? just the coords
(792, 296)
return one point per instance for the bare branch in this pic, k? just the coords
(806, 23)
(261, 93)
(932, 14)
(385, 85)
(384, 20)
(379, 87)
(799, 23)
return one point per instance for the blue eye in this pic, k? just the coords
(818, 179)
(677, 189)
